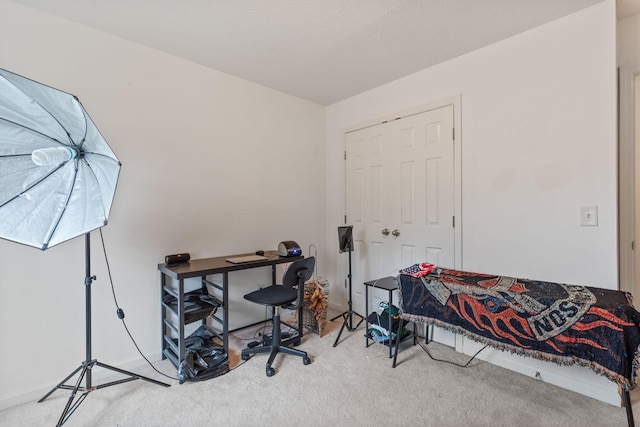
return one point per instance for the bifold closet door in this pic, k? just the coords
(400, 196)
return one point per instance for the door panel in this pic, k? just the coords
(400, 196)
(368, 187)
(424, 185)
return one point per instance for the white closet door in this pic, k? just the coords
(423, 189)
(368, 208)
(400, 197)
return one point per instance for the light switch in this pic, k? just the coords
(589, 216)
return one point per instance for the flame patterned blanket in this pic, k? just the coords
(567, 324)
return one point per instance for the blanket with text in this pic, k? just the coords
(567, 324)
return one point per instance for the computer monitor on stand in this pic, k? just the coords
(345, 240)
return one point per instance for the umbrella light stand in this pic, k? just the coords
(58, 178)
(89, 363)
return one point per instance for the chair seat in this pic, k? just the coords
(274, 295)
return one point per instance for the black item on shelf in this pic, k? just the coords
(198, 304)
(380, 322)
(203, 359)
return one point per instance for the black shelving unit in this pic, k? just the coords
(180, 308)
(388, 284)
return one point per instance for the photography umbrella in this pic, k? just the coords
(57, 181)
(58, 174)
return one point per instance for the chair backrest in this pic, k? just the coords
(299, 272)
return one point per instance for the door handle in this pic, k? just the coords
(396, 232)
(385, 232)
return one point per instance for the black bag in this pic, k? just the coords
(204, 359)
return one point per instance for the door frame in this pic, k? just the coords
(627, 183)
(456, 102)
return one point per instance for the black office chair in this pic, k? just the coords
(290, 296)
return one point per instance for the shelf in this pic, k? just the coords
(388, 284)
(170, 291)
(171, 356)
(173, 327)
(198, 305)
(391, 342)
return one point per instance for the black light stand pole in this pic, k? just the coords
(89, 363)
(348, 315)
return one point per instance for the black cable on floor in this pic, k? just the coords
(120, 313)
(449, 361)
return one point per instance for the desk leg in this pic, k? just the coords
(300, 328)
(366, 313)
(163, 344)
(390, 326)
(397, 345)
(181, 347)
(225, 314)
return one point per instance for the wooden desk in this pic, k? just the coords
(203, 268)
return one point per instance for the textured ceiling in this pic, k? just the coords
(320, 50)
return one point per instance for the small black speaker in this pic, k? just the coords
(174, 259)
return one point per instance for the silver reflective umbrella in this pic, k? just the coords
(57, 181)
(58, 175)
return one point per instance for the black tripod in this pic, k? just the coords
(89, 363)
(345, 235)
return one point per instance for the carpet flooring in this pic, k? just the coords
(347, 385)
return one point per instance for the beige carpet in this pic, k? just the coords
(347, 385)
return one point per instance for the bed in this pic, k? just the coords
(566, 324)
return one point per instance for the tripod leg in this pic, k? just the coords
(65, 413)
(89, 363)
(131, 374)
(60, 384)
(359, 323)
(339, 315)
(341, 329)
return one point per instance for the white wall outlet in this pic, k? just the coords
(589, 216)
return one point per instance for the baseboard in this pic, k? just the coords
(98, 375)
(576, 378)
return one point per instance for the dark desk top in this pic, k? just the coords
(206, 266)
(388, 283)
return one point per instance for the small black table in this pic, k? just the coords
(389, 284)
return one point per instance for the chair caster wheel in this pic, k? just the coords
(245, 357)
(306, 360)
(270, 372)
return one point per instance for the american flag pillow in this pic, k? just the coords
(419, 270)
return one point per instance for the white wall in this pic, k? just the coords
(538, 141)
(538, 136)
(212, 165)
